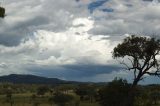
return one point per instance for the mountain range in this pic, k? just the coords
(31, 79)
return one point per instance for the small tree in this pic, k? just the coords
(9, 98)
(61, 99)
(42, 90)
(140, 55)
(91, 93)
(33, 100)
(81, 91)
(115, 93)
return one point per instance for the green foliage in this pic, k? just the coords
(154, 94)
(18, 88)
(142, 97)
(42, 90)
(9, 98)
(2, 12)
(66, 88)
(61, 99)
(86, 92)
(115, 93)
(140, 47)
(147, 96)
(81, 91)
(155, 97)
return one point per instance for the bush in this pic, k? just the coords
(115, 93)
(86, 92)
(61, 99)
(42, 90)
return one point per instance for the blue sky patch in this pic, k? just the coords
(92, 6)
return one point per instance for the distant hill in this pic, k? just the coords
(31, 79)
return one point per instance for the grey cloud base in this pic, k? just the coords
(73, 72)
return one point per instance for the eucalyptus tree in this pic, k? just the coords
(139, 55)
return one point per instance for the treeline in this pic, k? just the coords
(114, 93)
(19, 88)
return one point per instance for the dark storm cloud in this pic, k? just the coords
(73, 72)
(13, 36)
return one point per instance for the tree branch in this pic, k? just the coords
(157, 73)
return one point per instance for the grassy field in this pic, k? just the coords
(72, 95)
(26, 100)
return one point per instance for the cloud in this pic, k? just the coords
(71, 39)
(73, 52)
(25, 17)
(127, 17)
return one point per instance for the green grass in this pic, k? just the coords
(25, 100)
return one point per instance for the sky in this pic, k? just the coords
(72, 39)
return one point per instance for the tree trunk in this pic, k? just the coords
(131, 95)
(135, 83)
